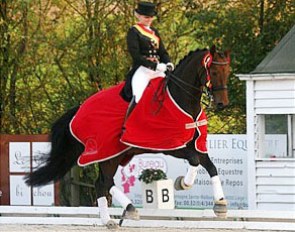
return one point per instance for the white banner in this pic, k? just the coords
(20, 193)
(228, 153)
(39, 149)
(43, 195)
(20, 162)
(19, 157)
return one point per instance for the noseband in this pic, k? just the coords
(220, 63)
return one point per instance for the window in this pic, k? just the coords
(279, 136)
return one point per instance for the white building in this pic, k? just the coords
(271, 128)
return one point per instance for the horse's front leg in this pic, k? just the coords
(220, 204)
(186, 182)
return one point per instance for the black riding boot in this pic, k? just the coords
(131, 106)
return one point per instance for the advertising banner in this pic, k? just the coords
(22, 157)
(227, 152)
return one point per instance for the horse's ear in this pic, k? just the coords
(213, 49)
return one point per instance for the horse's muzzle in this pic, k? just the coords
(220, 106)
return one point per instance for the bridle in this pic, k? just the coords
(220, 63)
(220, 87)
(208, 91)
(178, 81)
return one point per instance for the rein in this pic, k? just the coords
(177, 81)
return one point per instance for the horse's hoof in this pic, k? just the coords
(111, 225)
(180, 185)
(131, 214)
(220, 208)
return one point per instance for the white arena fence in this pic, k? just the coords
(177, 218)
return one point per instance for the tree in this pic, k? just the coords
(12, 53)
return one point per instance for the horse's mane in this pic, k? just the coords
(187, 58)
(160, 92)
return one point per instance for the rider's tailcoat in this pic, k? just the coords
(147, 49)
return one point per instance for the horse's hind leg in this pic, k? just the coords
(130, 212)
(102, 188)
(220, 203)
(104, 185)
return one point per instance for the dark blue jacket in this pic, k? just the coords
(142, 47)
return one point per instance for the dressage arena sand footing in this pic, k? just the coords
(68, 228)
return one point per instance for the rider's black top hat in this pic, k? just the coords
(146, 8)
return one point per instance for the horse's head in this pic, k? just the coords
(196, 71)
(219, 72)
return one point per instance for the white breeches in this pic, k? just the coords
(141, 79)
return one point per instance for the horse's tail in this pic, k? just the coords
(65, 150)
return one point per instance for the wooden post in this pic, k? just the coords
(75, 189)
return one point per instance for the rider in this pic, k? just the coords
(150, 58)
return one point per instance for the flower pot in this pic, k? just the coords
(158, 195)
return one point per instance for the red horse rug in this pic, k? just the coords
(156, 123)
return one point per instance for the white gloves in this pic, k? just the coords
(170, 66)
(161, 67)
(164, 67)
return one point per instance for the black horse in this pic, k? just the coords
(186, 85)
